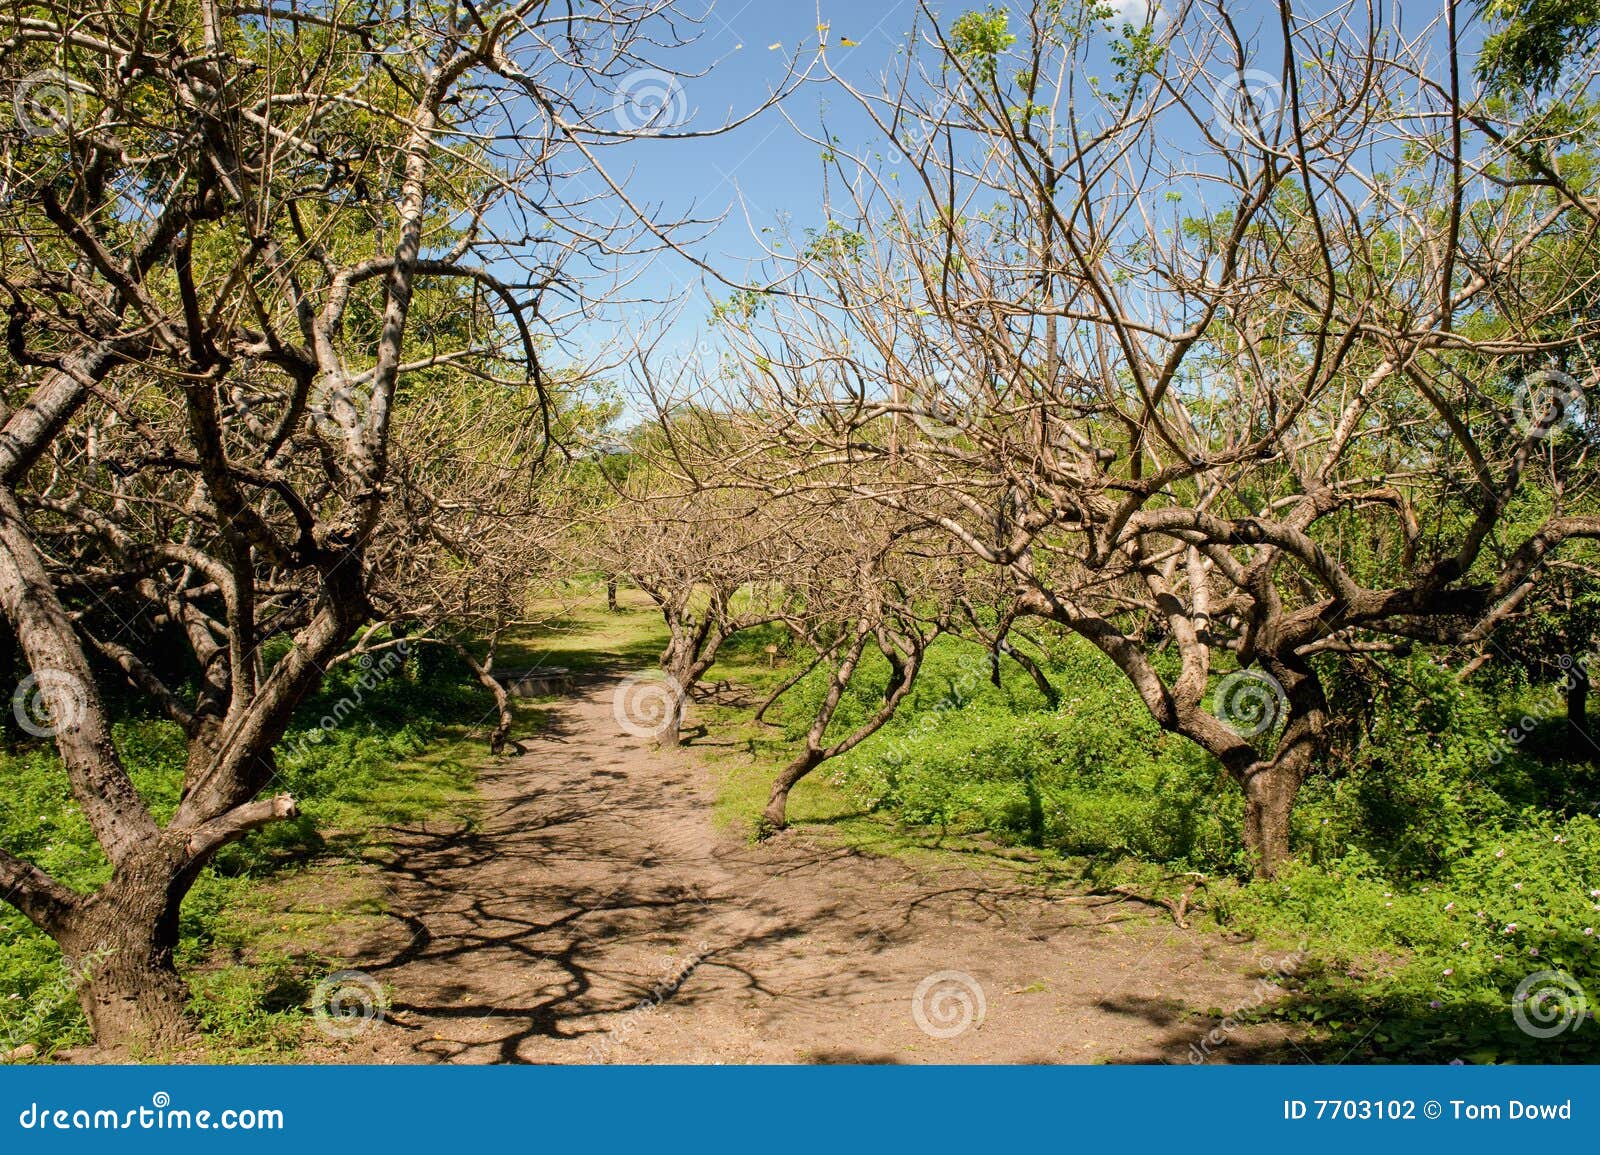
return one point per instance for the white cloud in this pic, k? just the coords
(1137, 12)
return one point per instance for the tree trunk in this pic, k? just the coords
(776, 816)
(483, 671)
(611, 594)
(902, 675)
(1579, 741)
(1269, 794)
(1271, 785)
(121, 945)
(680, 677)
(8, 679)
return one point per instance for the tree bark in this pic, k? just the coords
(904, 665)
(680, 678)
(776, 815)
(122, 944)
(1580, 742)
(611, 594)
(1269, 794)
(484, 672)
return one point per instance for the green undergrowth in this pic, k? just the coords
(1445, 888)
(574, 630)
(266, 919)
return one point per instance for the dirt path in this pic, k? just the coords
(597, 915)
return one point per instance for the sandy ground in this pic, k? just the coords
(597, 915)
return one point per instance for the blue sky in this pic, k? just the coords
(762, 169)
(763, 173)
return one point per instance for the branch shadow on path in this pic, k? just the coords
(595, 914)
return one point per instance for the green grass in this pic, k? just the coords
(577, 631)
(1415, 851)
(266, 920)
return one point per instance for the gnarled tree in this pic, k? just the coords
(235, 238)
(1264, 349)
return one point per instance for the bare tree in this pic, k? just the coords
(236, 238)
(865, 587)
(482, 498)
(1225, 351)
(712, 560)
